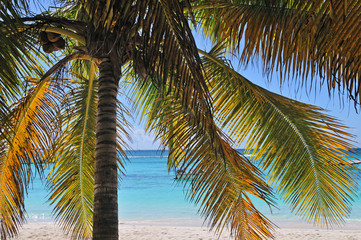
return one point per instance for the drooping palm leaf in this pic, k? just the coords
(222, 179)
(155, 35)
(71, 179)
(298, 38)
(18, 59)
(191, 101)
(164, 46)
(302, 149)
(24, 142)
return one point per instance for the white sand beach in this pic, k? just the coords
(146, 231)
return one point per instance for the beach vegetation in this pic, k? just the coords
(63, 72)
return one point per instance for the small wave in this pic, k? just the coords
(147, 156)
(246, 155)
(42, 217)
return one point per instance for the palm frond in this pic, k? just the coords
(71, 179)
(102, 14)
(222, 179)
(298, 38)
(18, 59)
(24, 141)
(161, 43)
(302, 149)
(13, 8)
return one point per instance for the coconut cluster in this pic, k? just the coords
(51, 41)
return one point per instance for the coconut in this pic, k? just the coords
(60, 44)
(53, 37)
(49, 47)
(43, 38)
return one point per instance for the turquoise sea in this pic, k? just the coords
(148, 192)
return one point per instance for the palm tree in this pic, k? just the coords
(148, 47)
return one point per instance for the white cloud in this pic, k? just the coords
(143, 141)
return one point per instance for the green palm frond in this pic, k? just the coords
(19, 58)
(298, 38)
(16, 62)
(169, 51)
(13, 8)
(24, 142)
(217, 169)
(71, 179)
(299, 147)
(102, 14)
(123, 136)
(302, 149)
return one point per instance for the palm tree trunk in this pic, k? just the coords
(105, 219)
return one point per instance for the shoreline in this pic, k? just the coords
(188, 230)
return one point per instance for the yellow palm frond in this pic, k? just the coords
(24, 142)
(302, 149)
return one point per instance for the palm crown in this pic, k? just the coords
(147, 48)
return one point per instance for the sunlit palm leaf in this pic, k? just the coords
(18, 59)
(298, 38)
(101, 13)
(165, 47)
(301, 148)
(72, 174)
(24, 142)
(71, 179)
(190, 100)
(155, 36)
(217, 169)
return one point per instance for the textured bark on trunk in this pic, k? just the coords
(105, 218)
